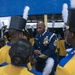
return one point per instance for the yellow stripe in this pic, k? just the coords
(43, 56)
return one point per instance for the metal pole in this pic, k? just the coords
(45, 21)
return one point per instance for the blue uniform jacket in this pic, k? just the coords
(46, 43)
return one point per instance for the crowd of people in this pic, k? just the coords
(45, 55)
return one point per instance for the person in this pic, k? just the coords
(2, 39)
(62, 45)
(61, 48)
(15, 32)
(20, 54)
(16, 28)
(44, 46)
(67, 64)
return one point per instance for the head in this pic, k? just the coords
(20, 52)
(70, 37)
(40, 27)
(15, 34)
(70, 32)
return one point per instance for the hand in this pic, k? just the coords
(36, 52)
(34, 61)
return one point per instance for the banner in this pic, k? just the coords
(37, 7)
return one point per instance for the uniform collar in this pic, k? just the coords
(21, 65)
(44, 33)
(9, 44)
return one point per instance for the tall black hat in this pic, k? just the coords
(17, 23)
(71, 16)
(71, 19)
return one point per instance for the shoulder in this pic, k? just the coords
(61, 71)
(65, 60)
(62, 40)
(51, 34)
(2, 69)
(37, 35)
(5, 47)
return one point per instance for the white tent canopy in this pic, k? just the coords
(6, 21)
